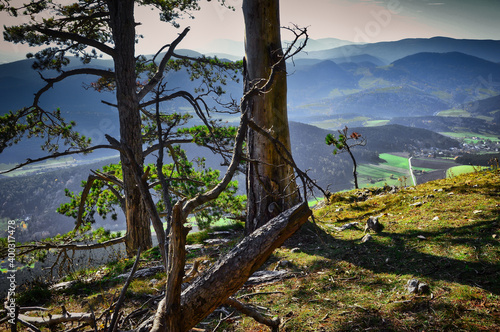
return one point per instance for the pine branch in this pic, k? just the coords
(77, 38)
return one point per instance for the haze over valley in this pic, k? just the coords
(426, 98)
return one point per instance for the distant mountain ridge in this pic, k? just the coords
(440, 74)
(394, 50)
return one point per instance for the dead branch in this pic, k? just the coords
(249, 311)
(124, 290)
(193, 273)
(57, 319)
(70, 246)
(287, 156)
(161, 67)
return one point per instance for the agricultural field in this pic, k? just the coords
(395, 171)
(462, 169)
(472, 138)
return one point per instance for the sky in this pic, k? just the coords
(353, 20)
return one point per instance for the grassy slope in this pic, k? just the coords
(341, 284)
(346, 285)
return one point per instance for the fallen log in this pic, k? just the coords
(229, 274)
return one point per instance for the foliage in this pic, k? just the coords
(84, 29)
(341, 143)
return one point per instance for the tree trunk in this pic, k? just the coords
(354, 167)
(271, 186)
(123, 25)
(229, 274)
(169, 314)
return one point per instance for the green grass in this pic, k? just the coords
(392, 172)
(346, 285)
(462, 169)
(379, 175)
(337, 283)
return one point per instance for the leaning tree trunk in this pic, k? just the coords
(123, 25)
(271, 186)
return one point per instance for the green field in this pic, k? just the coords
(454, 112)
(462, 169)
(469, 137)
(395, 161)
(393, 172)
(375, 123)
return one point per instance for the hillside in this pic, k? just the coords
(35, 196)
(442, 71)
(386, 103)
(444, 235)
(411, 77)
(335, 171)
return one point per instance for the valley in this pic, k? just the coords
(433, 100)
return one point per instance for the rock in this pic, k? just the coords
(216, 241)
(220, 233)
(346, 226)
(416, 287)
(373, 224)
(417, 204)
(283, 264)
(190, 247)
(366, 238)
(412, 285)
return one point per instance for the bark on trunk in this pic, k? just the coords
(123, 25)
(169, 314)
(271, 186)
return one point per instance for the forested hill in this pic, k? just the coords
(311, 152)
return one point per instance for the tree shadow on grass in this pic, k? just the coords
(402, 255)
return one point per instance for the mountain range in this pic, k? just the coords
(354, 85)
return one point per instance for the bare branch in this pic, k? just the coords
(57, 155)
(287, 156)
(249, 311)
(159, 74)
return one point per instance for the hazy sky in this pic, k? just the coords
(354, 20)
